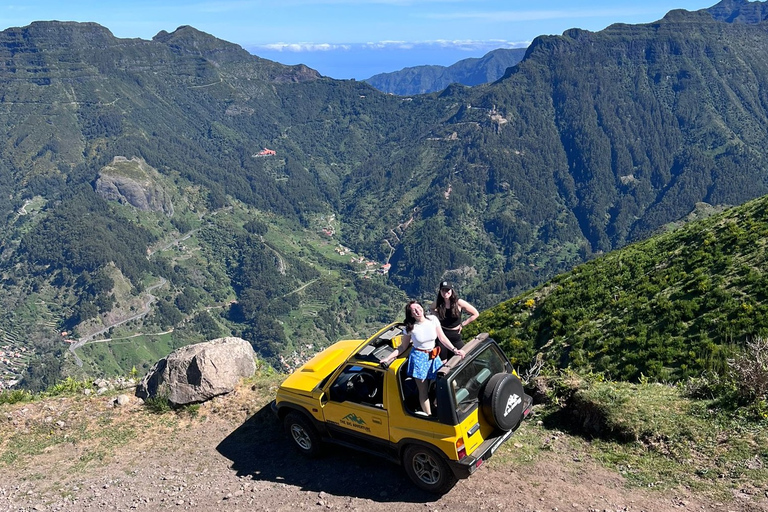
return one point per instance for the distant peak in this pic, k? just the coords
(84, 34)
(193, 40)
(739, 11)
(188, 33)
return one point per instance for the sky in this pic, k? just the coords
(352, 38)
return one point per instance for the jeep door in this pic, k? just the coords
(466, 386)
(353, 406)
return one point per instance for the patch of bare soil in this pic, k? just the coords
(86, 454)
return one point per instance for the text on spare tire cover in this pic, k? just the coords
(512, 402)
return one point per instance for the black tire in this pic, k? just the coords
(304, 436)
(502, 401)
(428, 470)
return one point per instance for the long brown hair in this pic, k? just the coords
(441, 306)
(410, 320)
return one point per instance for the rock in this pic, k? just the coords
(199, 372)
(124, 383)
(133, 182)
(121, 400)
(102, 384)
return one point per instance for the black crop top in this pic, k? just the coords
(450, 321)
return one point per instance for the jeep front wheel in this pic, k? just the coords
(304, 436)
(428, 470)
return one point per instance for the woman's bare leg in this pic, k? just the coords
(423, 387)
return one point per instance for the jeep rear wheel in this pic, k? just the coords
(428, 470)
(304, 436)
(502, 401)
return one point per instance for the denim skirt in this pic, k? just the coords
(420, 366)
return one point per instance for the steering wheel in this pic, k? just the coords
(364, 385)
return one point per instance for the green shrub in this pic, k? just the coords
(69, 386)
(192, 410)
(710, 385)
(13, 396)
(158, 404)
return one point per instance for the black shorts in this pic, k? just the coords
(455, 338)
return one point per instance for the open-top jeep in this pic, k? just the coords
(344, 396)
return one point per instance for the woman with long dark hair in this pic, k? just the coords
(448, 308)
(422, 331)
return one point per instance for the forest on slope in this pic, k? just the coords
(592, 141)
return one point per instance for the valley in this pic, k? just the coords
(118, 148)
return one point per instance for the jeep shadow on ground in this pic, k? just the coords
(260, 449)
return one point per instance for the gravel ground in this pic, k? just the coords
(86, 454)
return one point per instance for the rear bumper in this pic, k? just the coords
(469, 464)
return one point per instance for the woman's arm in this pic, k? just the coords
(446, 342)
(405, 340)
(469, 308)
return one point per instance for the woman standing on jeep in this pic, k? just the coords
(448, 308)
(422, 331)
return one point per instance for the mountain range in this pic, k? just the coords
(423, 79)
(182, 189)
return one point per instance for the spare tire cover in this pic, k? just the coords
(502, 401)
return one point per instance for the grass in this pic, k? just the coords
(655, 437)
(651, 434)
(88, 428)
(36, 439)
(118, 356)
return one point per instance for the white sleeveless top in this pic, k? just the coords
(424, 334)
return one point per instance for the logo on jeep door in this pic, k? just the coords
(513, 402)
(355, 421)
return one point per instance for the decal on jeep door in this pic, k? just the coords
(512, 402)
(355, 421)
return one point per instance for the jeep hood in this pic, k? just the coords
(320, 366)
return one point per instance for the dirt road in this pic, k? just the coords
(85, 454)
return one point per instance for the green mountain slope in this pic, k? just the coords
(592, 141)
(668, 308)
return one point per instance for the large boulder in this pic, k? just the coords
(134, 182)
(199, 372)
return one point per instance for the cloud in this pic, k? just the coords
(517, 16)
(301, 47)
(467, 45)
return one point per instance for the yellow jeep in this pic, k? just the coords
(344, 396)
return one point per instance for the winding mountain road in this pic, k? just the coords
(146, 309)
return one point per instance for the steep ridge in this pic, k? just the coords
(597, 139)
(739, 11)
(667, 308)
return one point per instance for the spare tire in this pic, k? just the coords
(502, 401)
